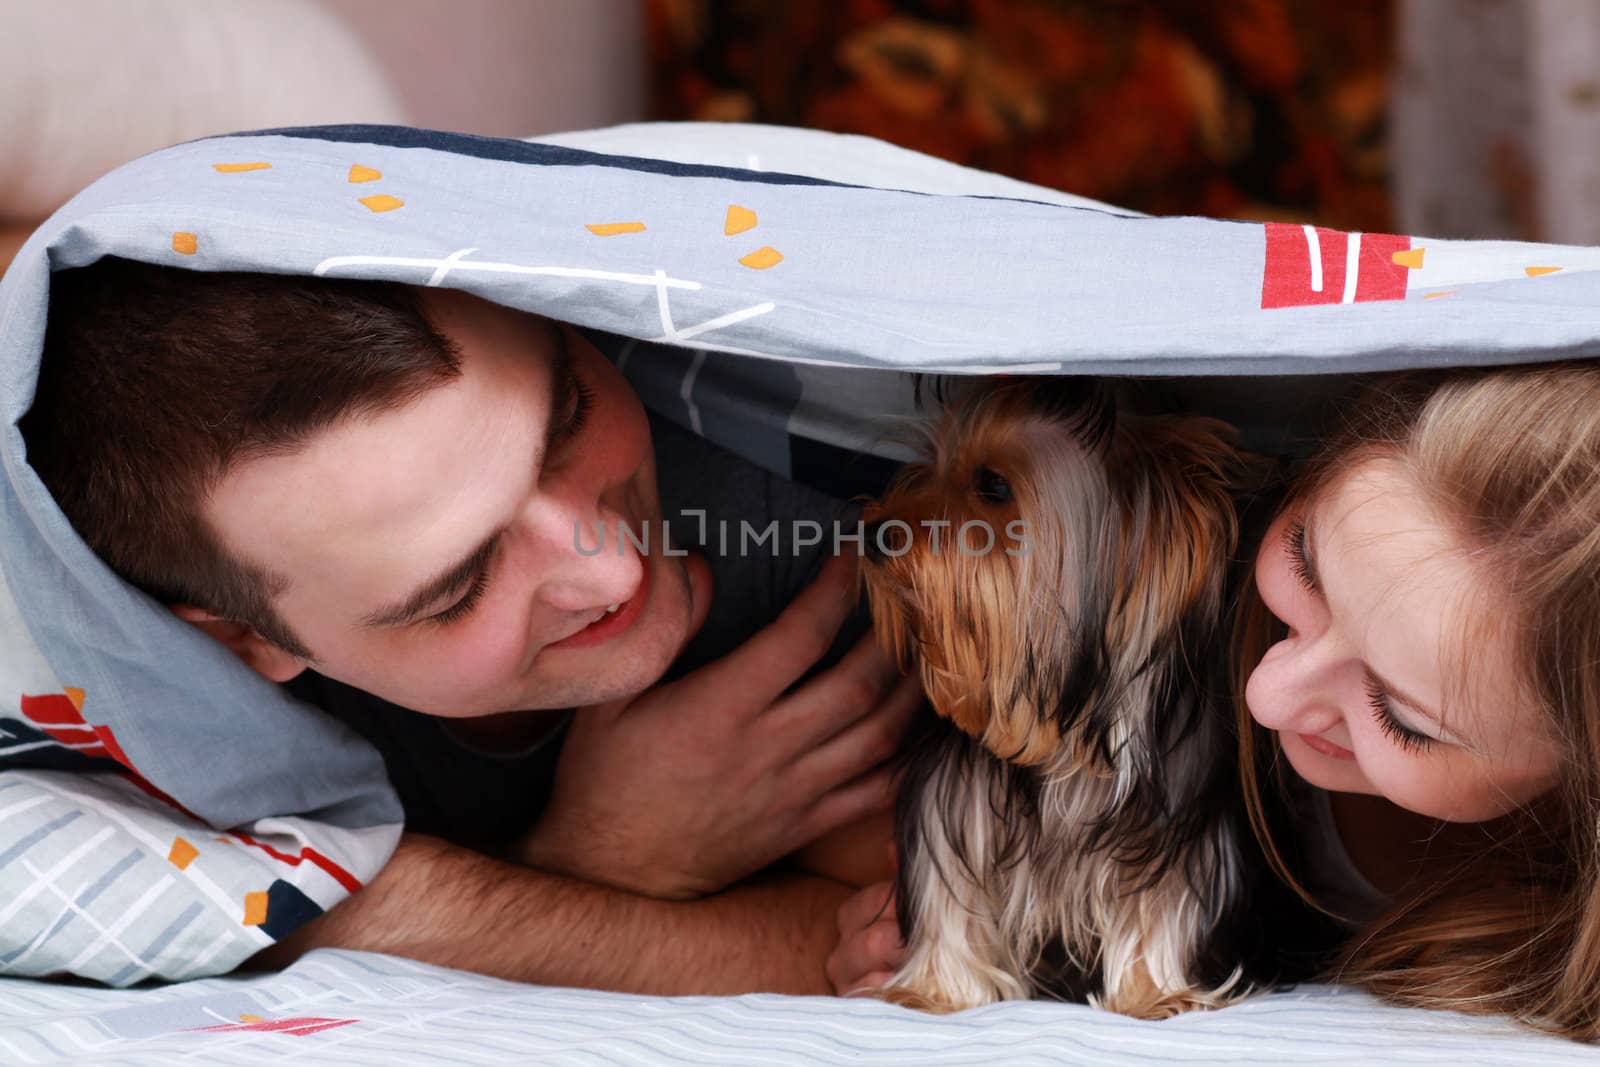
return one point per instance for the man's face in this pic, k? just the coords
(430, 551)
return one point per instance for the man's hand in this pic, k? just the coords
(857, 855)
(692, 786)
(869, 949)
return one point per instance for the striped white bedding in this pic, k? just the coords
(352, 1008)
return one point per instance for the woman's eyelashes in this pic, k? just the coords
(1389, 723)
(1294, 545)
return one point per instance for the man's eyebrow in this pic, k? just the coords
(435, 589)
(1395, 693)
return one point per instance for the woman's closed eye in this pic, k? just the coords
(1294, 546)
(1397, 731)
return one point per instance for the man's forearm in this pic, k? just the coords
(447, 905)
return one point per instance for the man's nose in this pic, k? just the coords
(575, 519)
(588, 555)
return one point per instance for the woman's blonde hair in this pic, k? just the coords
(1510, 460)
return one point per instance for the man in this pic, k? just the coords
(387, 498)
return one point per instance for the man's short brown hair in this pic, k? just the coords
(156, 381)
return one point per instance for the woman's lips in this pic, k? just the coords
(1318, 744)
(613, 625)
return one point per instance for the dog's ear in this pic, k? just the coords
(1198, 452)
(1178, 475)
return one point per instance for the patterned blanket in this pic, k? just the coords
(165, 812)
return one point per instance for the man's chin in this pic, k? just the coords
(635, 661)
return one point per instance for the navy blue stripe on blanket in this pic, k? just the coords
(513, 151)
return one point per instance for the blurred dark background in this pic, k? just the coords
(1249, 108)
(1450, 118)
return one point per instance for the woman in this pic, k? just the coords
(1419, 654)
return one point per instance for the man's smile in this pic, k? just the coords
(612, 623)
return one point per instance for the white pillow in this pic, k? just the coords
(88, 84)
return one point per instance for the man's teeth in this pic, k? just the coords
(604, 613)
(612, 608)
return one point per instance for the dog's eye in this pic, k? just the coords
(991, 486)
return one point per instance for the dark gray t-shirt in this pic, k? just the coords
(483, 800)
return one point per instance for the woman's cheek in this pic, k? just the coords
(1418, 781)
(1382, 763)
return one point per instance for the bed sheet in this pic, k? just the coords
(353, 1008)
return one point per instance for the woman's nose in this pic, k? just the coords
(1294, 687)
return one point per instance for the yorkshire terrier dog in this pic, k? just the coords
(1070, 823)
